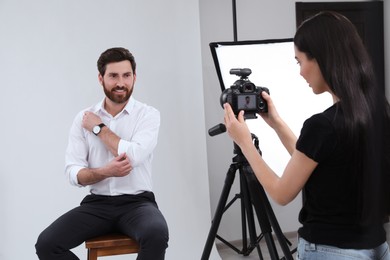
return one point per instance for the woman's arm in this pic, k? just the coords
(281, 189)
(285, 188)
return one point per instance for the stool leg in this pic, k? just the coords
(92, 254)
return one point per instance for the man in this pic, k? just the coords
(110, 150)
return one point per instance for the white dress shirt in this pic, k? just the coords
(137, 125)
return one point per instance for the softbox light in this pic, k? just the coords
(273, 66)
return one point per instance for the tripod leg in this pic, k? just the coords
(244, 207)
(251, 221)
(261, 213)
(257, 191)
(278, 232)
(219, 211)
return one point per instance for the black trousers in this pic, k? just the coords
(134, 215)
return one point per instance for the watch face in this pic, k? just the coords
(96, 129)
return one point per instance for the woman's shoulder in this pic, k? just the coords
(325, 118)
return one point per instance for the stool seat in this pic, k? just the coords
(110, 244)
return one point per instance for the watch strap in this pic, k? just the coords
(101, 125)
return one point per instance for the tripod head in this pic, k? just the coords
(221, 128)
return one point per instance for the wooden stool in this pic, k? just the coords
(111, 244)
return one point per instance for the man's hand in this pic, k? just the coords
(90, 120)
(120, 166)
(109, 138)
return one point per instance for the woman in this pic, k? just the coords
(338, 159)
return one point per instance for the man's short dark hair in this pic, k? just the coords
(116, 54)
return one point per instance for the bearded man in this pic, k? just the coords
(110, 151)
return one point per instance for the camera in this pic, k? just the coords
(244, 95)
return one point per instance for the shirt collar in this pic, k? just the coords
(99, 107)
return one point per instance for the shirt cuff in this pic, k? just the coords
(73, 176)
(123, 146)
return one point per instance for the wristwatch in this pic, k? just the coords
(97, 128)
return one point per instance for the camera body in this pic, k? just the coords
(244, 95)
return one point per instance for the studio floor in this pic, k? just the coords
(228, 253)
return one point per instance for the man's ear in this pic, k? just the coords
(100, 78)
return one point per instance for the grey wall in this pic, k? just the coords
(48, 53)
(256, 20)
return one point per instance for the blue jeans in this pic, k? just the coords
(312, 251)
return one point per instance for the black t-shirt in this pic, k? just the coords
(330, 212)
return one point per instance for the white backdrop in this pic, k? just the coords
(48, 53)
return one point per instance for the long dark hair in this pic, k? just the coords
(333, 41)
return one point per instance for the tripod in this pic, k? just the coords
(252, 195)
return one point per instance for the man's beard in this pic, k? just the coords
(114, 97)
